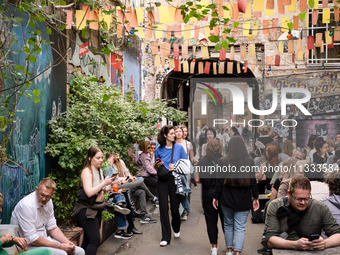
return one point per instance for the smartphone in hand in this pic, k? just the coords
(313, 237)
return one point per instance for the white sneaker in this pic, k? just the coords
(184, 217)
(229, 253)
(177, 235)
(163, 243)
(214, 251)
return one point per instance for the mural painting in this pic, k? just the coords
(29, 132)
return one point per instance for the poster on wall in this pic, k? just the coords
(268, 118)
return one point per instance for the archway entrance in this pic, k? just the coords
(208, 98)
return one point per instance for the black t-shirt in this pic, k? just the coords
(277, 184)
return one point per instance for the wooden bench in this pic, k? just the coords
(329, 251)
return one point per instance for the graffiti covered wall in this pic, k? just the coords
(29, 133)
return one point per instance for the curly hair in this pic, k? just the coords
(214, 149)
(333, 182)
(164, 131)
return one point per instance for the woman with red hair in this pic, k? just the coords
(269, 166)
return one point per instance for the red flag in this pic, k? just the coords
(242, 5)
(222, 54)
(310, 42)
(207, 67)
(277, 60)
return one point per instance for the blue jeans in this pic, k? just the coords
(234, 227)
(120, 218)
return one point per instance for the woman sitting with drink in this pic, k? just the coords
(136, 187)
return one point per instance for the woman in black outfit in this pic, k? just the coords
(212, 157)
(237, 194)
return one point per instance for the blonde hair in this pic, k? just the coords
(144, 146)
(48, 182)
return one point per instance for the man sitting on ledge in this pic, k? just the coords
(35, 216)
(296, 221)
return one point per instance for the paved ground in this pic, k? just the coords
(194, 239)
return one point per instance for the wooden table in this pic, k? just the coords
(329, 251)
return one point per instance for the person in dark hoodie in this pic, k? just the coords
(333, 201)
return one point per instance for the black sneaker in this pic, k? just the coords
(122, 235)
(147, 219)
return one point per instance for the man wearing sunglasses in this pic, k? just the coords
(295, 222)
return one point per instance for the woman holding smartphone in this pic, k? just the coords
(93, 182)
(167, 188)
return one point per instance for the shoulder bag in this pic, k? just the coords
(163, 173)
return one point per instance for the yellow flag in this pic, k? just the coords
(292, 6)
(171, 63)
(185, 67)
(251, 50)
(300, 55)
(159, 32)
(140, 14)
(326, 13)
(280, 47)
(80, 19)
(140, 32)
(206, 31)
(157, 61)
(284, 24)
(269, 12)
(258, 5)
(246, 27)
(227, 14)
(247, 14)
(187, 32)
(328, 38)
(164, 16)
(205, 52)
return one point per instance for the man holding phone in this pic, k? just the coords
(296, 222)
